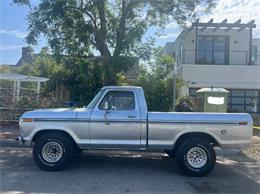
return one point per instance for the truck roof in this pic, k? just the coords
(121, 87)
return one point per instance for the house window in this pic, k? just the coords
(192, 92)
(212, 50)
(239, 100)
(181, 52)
(243, 100)
(254, 54)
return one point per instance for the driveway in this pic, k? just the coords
(125, 172)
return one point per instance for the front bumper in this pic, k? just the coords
(23, 141)
(20, 140)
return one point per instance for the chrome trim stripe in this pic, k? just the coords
(196, 122)
(61, 119)
(81, 120)
(118, 121)
(144, 121)
(53, 119)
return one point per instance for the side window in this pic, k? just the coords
(118, 100)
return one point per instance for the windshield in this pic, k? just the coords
(92, 104)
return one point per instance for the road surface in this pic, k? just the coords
(124, 172)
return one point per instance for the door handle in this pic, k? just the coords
(131, 116)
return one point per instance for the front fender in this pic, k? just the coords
(41, 128)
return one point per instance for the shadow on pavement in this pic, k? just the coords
(122, 172)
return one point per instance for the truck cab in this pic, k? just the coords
(122, 112)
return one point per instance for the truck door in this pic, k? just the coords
(115, 120)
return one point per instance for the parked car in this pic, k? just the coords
(118, 118)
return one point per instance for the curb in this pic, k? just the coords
(11, 143)
(257, 128)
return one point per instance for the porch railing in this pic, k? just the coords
(217, 57)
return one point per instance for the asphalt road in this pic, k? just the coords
(124, 172)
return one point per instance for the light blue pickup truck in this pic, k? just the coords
(117, 118)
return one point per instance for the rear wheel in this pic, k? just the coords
(78, 150)
(196, 157)
(52, 151)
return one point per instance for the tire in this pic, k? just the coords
(52, 151)
(78, 150)
(170, 153)
(196, 157)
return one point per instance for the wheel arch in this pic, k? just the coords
(60, 131)
(204, 135)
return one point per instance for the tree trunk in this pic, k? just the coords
(120, 34)
(109, 75)
(61, 91)
(57, 89)
(101, 37)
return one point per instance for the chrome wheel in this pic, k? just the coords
(197, 157)
(52, 152)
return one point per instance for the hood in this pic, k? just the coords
(52, 113)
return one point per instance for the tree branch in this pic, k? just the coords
(81, 10)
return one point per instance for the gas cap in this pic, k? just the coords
(223, 131)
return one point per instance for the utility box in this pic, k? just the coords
(212, 99)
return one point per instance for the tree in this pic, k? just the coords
(79, 78)
(157, 81)
(81, 28)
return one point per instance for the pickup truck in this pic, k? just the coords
(117, 118)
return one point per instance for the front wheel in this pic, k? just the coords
(196, 157)
(52, 151)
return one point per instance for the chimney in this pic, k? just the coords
(26, 51)
(26, 56)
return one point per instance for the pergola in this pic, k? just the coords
(227, 26)
(18, 78)
(224, 24)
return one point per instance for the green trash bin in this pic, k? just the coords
(212, 99)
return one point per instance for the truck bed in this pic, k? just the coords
(229, 130)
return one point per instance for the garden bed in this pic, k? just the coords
(9, 130)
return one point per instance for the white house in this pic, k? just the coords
(220, 55)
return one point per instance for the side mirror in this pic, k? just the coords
(106, 112)
(106, 106)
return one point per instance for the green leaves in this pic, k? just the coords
(112, 28)
(112, 31)
(22, 2)
(157, 81)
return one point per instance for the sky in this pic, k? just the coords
(13, 25)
